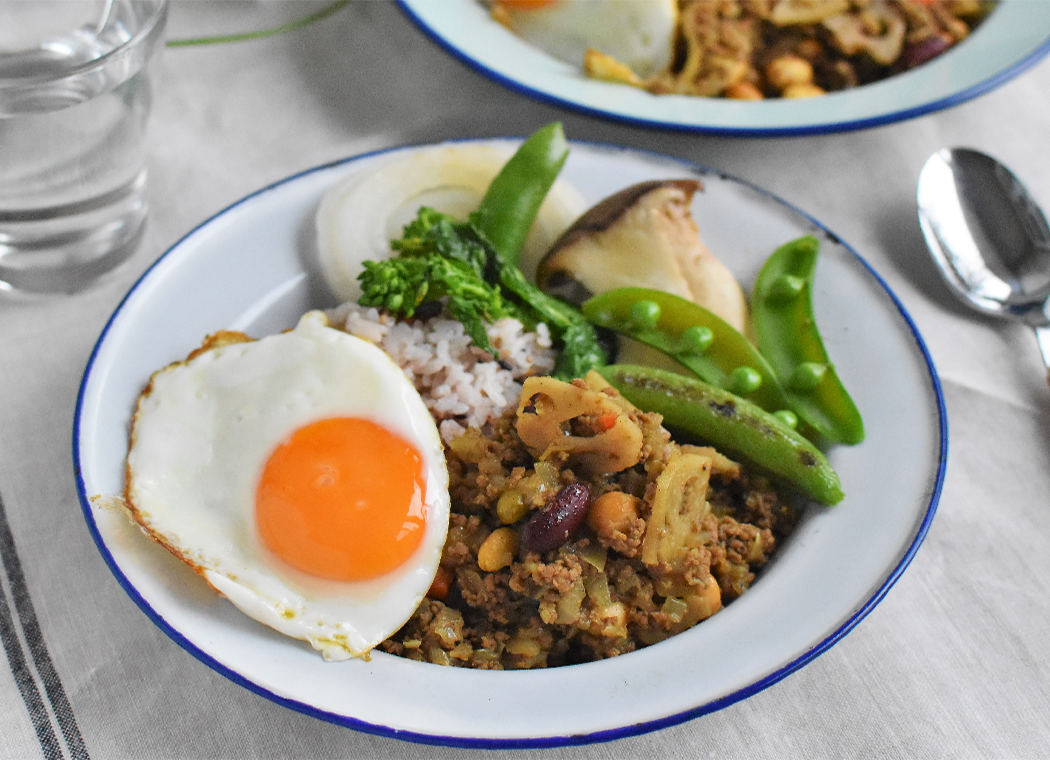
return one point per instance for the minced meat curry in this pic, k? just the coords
(581, 531)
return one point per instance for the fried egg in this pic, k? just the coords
(638, 33)
(302, 476)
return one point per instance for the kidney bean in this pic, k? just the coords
(920, 52)
(553, 525)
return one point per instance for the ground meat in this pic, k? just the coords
(626, 542)
(732, 48)
(592, 597)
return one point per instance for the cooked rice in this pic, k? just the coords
(462, 385)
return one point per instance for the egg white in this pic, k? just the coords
(200, 436)
(638, 33)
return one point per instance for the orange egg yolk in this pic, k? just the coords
(342, 498)
(527, 5)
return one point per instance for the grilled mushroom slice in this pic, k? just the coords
(643, 236)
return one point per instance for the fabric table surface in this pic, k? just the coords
(954, 663)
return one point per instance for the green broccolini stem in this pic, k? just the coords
(441, 259)
(487, 283)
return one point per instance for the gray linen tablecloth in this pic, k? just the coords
(954, 663)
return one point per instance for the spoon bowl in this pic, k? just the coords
(988, 237)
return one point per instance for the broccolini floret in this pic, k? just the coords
(440, 259)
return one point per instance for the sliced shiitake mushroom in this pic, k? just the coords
(643, 236)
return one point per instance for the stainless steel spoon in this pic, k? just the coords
(989, 238)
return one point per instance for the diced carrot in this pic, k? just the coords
(607, 420)
(442, 583)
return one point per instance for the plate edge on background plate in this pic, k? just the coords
(991, 82)
(916, 532)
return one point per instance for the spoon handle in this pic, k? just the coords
(1042, 334)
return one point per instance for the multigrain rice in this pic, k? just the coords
(462, 385)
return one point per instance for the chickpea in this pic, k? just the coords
(711, 595)
(613, 512)
(802, 91)
(787, 70)
(743, 91)
(498, 550)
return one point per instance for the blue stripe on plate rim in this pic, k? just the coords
(548, 741)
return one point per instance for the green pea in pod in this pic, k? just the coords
(782, 313)
(731, 424)
(699, 339)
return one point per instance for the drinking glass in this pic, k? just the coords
(75, 94)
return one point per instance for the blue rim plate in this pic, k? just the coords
(1015, 36)
(250, 268)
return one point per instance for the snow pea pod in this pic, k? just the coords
(511, 203)
(731, 424)
(782, 313)
(697, 338)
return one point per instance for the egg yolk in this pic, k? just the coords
(342, 498)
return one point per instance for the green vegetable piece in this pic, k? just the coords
(472, 264)
(744, 380)
(786, 288)
(580, 351)
(644, 315)
(789, 339)
(807, 376)
(697, 338)
(503, 220)
(512, 201)
(788, 417)
(441, 258)
(731, 424)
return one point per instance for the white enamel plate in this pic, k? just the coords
(250, 268)
(1013, 37)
